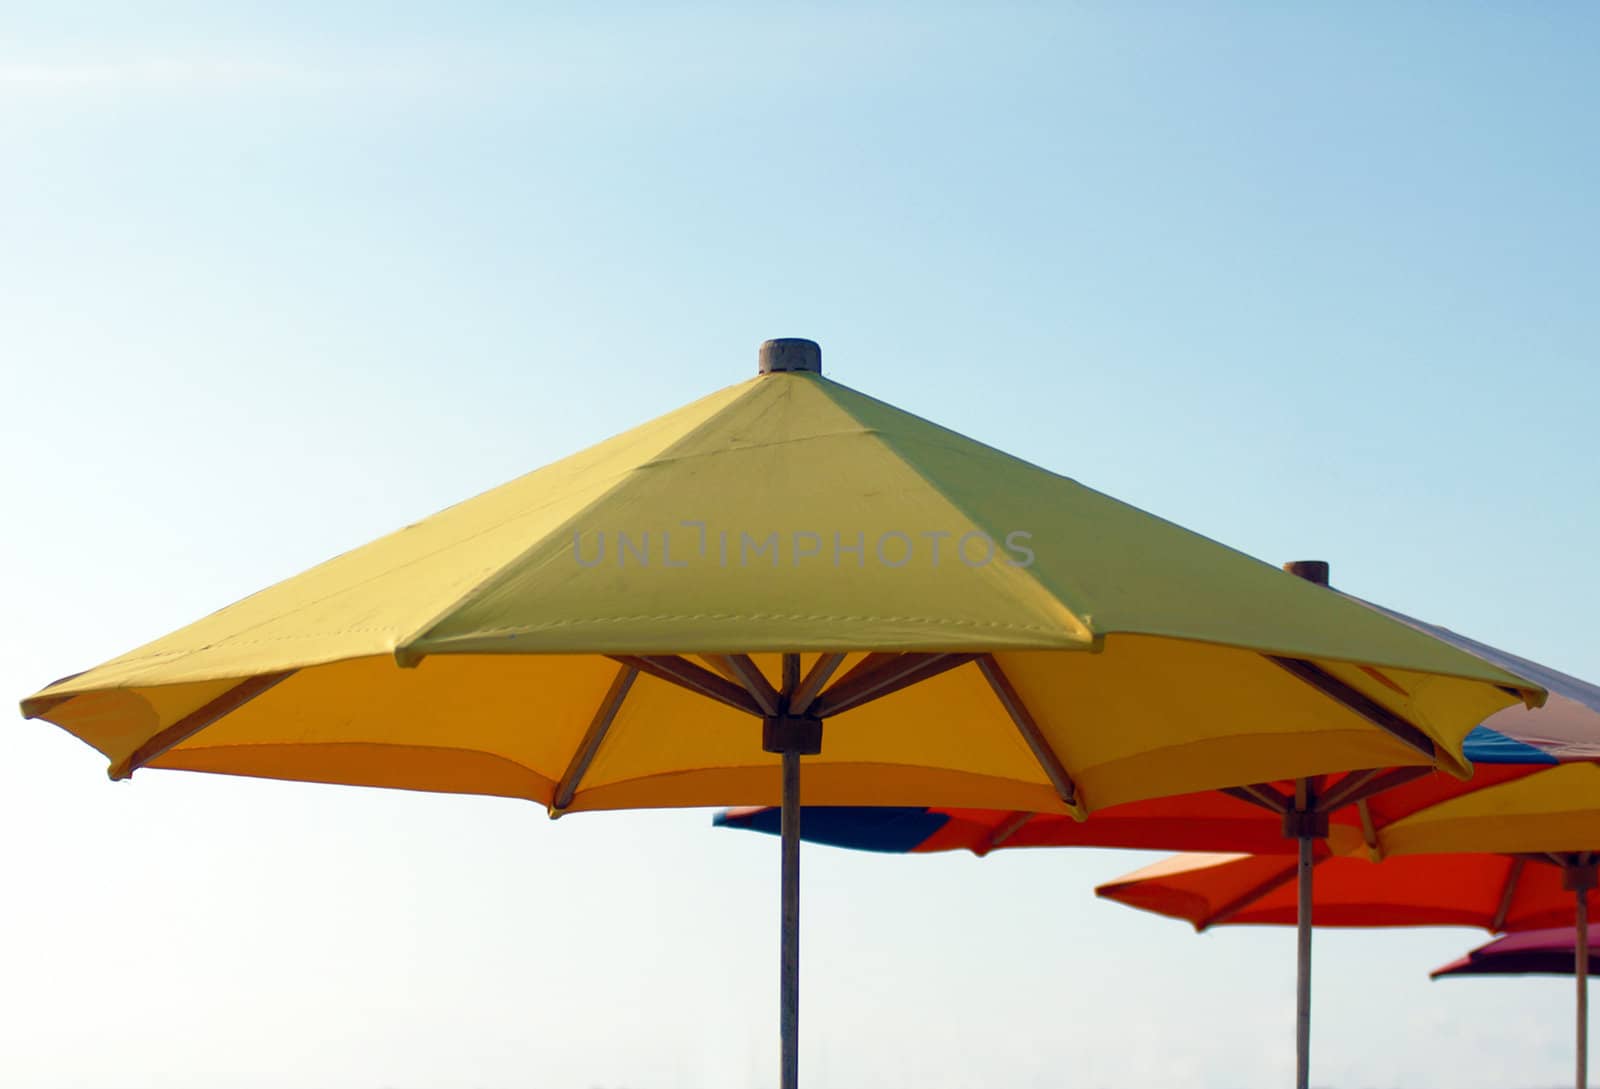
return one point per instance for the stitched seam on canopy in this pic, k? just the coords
(616, 480)
(701, 617)
(461, 600)
(672, 617)
(896, 444)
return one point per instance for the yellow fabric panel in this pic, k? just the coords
(1215, 707)
(1180, 865)
(1556, 810)
(530, 710)
(366, 601)
(436, 770)
(825, 784)
(784, 526)
(1121, 569)
(117, 721)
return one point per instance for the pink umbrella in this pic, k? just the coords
(1552, 952)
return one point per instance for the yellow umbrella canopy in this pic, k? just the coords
(531, 641)
(648, 622)
(1554, 810)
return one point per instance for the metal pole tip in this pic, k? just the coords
(789, 354)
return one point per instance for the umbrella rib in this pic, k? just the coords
(879, 675)
(1359, 786)
(1262, 794)
(599, 726)
(742, 669)
(197, 720)
(1002, 832)
(1347, 789)
(1507, 894)
(1250, 896)
(1355, 700)
(677, 670)
(1054, 770)
(817, 676)
(1369, 831)
(39, 706)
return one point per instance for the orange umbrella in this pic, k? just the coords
(1493, 891)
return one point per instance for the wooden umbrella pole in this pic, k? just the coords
(789, 985)
(791, 736)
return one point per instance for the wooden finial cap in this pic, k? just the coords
(1311, 570)
(789, 354)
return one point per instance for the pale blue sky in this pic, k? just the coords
(280, 278)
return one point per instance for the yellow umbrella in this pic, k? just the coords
(1556, 809)
(985, 633)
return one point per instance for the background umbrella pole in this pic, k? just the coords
(1583, 989)
(789, 986)
(1581, 877)
(1302, 989)
(1306, 825)
(1581, 874)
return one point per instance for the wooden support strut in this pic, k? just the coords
(685, 674)
(1054, 770)
(1245, 899)
(589, 747)
(1002, 832)
(742, 669)
(806, 692)
(197, 720)
(791, 674)
(879, 675)
(1369, 830)
(1361, 785)
(1507, 894)
(1264, 795)
(1357, 701)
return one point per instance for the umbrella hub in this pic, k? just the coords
(1305, 824)
(1303, 817)
(1581, 876)
(792, 733)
